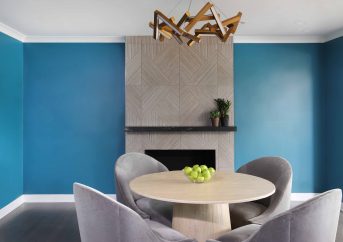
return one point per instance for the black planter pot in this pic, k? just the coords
(224, 121)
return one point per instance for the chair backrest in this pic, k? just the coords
(339, 236)
(313, 221)
(128, 167)
(103, 219)
(278, 171)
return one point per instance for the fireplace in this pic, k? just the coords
(178, 159)
(168, 108)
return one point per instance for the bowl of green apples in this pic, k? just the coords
(199, 174)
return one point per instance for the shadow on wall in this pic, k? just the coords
(11, 111)
(333, 113)
(277, 88)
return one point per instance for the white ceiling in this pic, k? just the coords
(91, 18)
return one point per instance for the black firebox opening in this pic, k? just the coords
(178, 159)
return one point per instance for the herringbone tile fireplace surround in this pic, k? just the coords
(172, 85)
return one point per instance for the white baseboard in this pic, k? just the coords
(53, 198)
(11, 206)
(66, 198)
(39, 198)
(48, 198)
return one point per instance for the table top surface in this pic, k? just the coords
(224, 187)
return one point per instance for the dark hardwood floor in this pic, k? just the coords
(57, 222)
(41, 222)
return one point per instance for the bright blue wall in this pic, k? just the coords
(74, 112)
(333, 80)
(11, 130)
(73, 115)
(277, 90)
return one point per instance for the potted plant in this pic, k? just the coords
(215, 115)
(223, 106)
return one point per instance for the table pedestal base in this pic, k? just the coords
(201, 221)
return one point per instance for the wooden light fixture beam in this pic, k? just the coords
(168, 28)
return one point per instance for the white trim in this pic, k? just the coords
(48, 198)
(277, 39)
(301, 197)
(74, 39)
(11, 206)
(334, 35)
(63, 198)
(121, 39)
(53, 198)
(11, 32)
(249, 39)
(39, 198)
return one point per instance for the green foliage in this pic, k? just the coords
(215, 114)
(223, 106)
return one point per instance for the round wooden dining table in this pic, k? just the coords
(201, 210)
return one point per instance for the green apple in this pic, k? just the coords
(187, 170)
(200, 179)
(194, 174)
(207, 176)
(195, 166)
(203, 167)
(211, 170)
(206, 172)
(197, 169)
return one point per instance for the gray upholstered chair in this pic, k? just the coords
(339, 236)
(130, 166)
(313, 221)
(278, 171)
(102, 219)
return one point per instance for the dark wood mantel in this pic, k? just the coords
(180, 129)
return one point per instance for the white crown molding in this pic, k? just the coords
(11, 32)
(334, 35)
(121, 39)
(249, 39)
(74, 39)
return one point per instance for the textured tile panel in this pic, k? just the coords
(160, 64)
(201, 140)
(134, 142)
(172, 85)
(196, 103)
(225, 153)
(133, 105)
(162, 141)
(133, 64)
(160, 105)
(198, 64)
(225, 63)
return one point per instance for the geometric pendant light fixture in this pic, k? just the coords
(182, 31)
